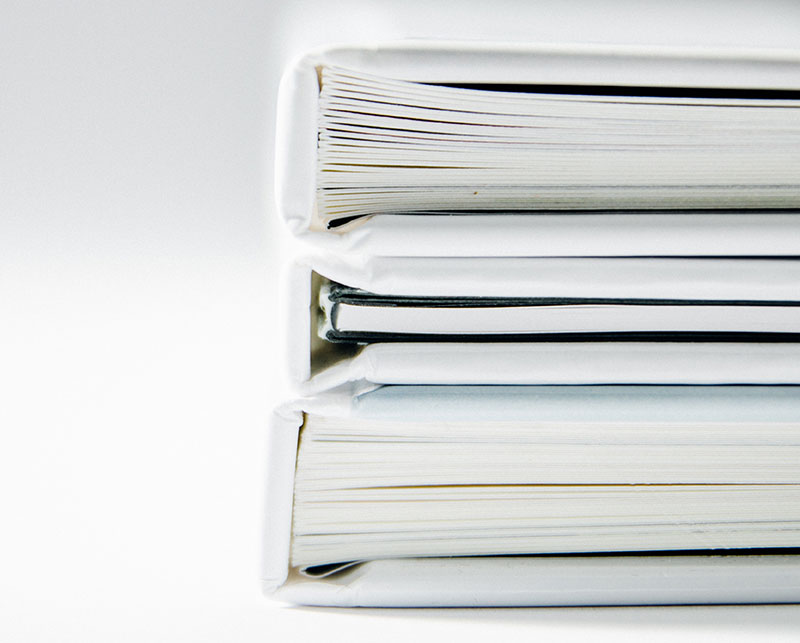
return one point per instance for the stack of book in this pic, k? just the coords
(550, 351)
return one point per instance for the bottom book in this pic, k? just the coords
(534, 495)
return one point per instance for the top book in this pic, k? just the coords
(374, 144)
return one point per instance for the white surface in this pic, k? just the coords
(137, 263)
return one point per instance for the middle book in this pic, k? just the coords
(544, 321)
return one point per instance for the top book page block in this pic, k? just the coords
(438, 150)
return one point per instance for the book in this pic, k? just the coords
(730, 340)
(528, 473)
(517, 150)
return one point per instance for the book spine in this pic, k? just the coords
(281, 453)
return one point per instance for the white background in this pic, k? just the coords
(138, 339)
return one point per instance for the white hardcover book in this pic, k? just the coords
(448, 496)
(432, 149)
(448, 321)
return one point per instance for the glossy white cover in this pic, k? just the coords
(574, 581)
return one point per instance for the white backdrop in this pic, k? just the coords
(138, 333)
